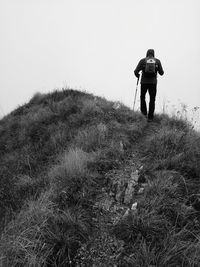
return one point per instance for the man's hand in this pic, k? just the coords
(137, 75)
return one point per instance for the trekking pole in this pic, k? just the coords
(136, 91)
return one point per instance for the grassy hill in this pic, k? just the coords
(67, 159)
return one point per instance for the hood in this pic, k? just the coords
(150, 52)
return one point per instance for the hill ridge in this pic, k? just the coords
(73, 164)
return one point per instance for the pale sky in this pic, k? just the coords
(95, 45)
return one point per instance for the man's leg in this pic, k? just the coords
(143, 107)
(152, 94)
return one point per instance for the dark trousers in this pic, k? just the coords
(151, 88)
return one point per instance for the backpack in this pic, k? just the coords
(150, 67)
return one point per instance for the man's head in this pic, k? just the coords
(150, 53)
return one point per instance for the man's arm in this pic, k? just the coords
(160, 69)
(138, 68)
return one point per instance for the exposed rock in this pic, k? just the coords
(131, 187)
(118, 185)
(141, 191)
(131, 210)
(117, 105)
(144, 185)
(134, 206)
(135, 176)
(119, 189)
(105, 202)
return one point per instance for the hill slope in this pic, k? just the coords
(73, 165)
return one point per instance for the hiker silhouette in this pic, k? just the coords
(149, 66)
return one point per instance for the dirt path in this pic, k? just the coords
(126, 186)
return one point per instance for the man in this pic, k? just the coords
(149, 67)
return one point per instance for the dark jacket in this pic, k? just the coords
(141, 67)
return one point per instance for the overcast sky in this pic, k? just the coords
(95, 45)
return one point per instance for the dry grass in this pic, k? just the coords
(22, 243)
(41, 234)
(72, 166)
(72, 139)
(92, 138)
